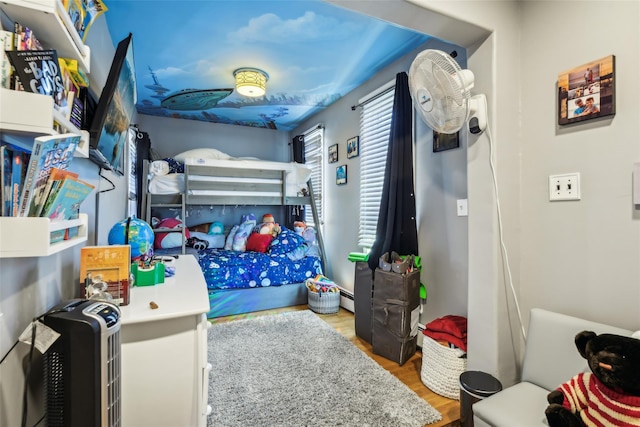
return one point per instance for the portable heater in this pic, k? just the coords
(82, 368)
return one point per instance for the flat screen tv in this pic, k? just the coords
(113, 114)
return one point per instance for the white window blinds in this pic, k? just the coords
(313, 149)
(375, 127)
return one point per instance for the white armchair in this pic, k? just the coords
(550, 359)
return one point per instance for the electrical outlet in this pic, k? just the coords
(564, 187)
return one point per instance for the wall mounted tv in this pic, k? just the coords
(113, 114)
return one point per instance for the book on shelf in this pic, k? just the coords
(106, 269)
(6, 43)
(79, 78)
(39, 72)
(6, 157)
(77, 112)
(64, 201)
(76, 11)
(48, 152)
(18, 173)
(83, 14)
(23, 39)
(55, 177)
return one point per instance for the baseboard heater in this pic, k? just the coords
(82, 368)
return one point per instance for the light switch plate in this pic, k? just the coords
(564, 187)
(636, 184)
(462, 207)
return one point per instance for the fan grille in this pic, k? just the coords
(440, 90)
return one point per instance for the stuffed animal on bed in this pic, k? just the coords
(609, 395)
(269, 225)
(309, 235)
(171, 239)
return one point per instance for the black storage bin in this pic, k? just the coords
(393, 347)
(362, 300)
(396, 301)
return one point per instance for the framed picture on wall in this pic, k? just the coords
(353, 147)
(341, 175)
(445, 141)
(587, 92)
(333, 153)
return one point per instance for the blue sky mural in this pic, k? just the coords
(313, 52)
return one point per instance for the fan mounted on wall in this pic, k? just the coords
(441, 92)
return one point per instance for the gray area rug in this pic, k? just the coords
(293, 369)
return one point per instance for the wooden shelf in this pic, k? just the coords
(31, 114)
(30, 237)
(52, 26)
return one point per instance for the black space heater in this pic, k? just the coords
(82, 368)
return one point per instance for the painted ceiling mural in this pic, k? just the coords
(313, 52)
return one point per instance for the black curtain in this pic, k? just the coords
(396, 230)
(143, 152)
(296, 213)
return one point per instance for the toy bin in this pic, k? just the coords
(323, 295)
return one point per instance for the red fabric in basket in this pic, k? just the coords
(450, 328)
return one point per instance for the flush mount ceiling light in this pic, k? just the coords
(251, 81)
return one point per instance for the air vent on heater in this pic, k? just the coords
(82, 368)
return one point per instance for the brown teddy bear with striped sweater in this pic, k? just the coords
(609, 395)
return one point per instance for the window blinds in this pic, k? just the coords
(375, 127)
(313, 148)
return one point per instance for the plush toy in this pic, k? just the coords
(609, 395)
(299, 227)
(215, 228)
(269, 226)
(171, 239)
(309, 235)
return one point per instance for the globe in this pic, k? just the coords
(140, 236)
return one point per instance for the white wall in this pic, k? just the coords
(172, 136)
(581, 258)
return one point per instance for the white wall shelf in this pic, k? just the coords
(52, 26)
(31, 114)
(30, 237)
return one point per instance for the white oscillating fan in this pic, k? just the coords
(441, 92)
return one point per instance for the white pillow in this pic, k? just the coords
(215, 240)
(201, 153)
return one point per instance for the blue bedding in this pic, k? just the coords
(225, 269)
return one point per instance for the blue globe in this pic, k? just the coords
(140, 236)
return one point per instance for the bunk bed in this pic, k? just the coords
(246, 281)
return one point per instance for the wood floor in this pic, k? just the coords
(408, 373)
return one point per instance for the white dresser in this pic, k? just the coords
(165, 374)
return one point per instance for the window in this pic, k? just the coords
(375, 127)
(313, 148)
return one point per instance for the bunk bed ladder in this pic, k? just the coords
(316, 220)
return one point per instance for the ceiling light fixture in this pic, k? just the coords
(251, 81)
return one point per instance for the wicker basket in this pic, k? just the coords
(441, 368)
(324, 302)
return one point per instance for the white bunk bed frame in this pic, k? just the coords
(242, 183)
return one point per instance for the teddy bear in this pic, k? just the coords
(609, 395)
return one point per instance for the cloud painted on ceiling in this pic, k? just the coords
(315, 53)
